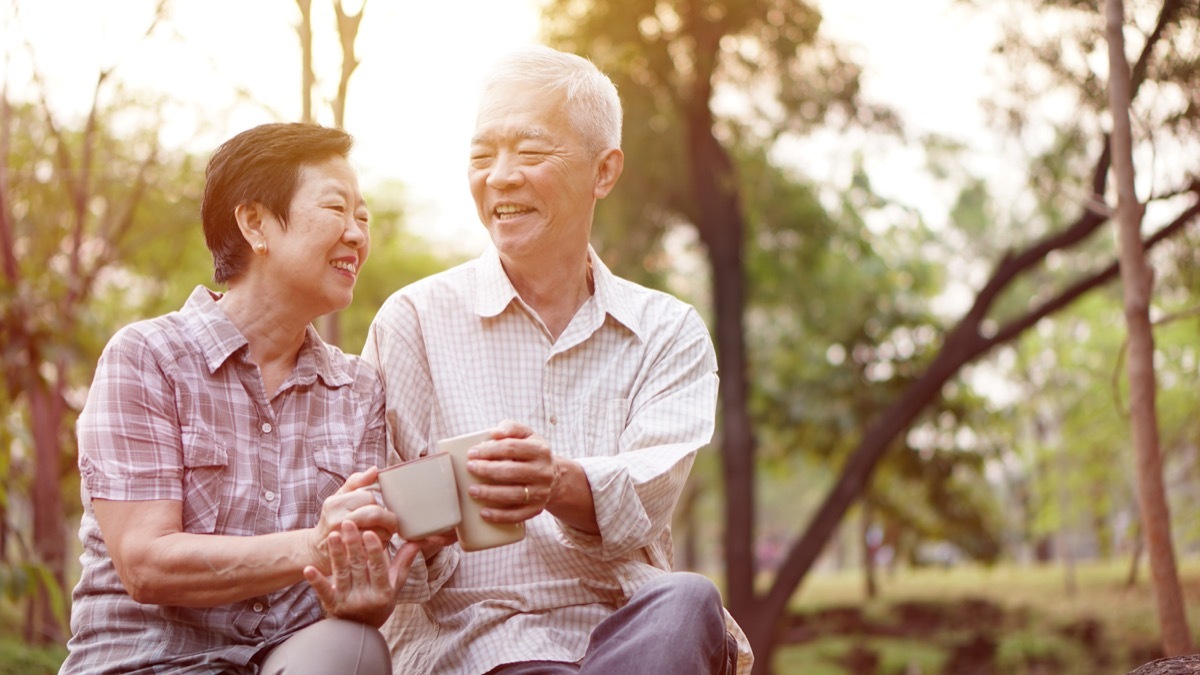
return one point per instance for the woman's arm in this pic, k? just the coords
(161, 564)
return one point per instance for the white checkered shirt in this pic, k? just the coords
(177, 411)
(628, 390)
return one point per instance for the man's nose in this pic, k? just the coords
(505, 172)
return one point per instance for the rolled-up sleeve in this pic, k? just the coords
(130, 438)
(671, 415)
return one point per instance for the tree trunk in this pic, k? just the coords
(869, 547)
(1134, 559)
(49, 531)
(720, 224)
(307, 78)
(1137, 280)
(1066, 546)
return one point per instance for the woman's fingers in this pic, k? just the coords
(377, 563)
(325, 591)
(358, 480)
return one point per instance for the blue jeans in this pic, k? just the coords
(672, 624)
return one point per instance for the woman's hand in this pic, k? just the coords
(350, 504)
(363, 584)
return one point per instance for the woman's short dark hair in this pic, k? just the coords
(258, 165)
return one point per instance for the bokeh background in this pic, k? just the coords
(898, 219)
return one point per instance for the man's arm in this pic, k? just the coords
(613, 503)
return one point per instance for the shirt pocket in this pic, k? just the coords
(334, 458)
(603, 424)
(205, 465)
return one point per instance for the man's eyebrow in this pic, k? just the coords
(530, 134)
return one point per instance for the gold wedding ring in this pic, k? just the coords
(526, 494)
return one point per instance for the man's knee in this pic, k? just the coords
(688, 594)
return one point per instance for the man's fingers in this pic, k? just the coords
(511, 429)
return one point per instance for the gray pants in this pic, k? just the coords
(331, 646)
(673, 624)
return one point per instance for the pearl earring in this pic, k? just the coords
(260, 247)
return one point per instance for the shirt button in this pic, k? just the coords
(266, 427)
(258, 607)
(270, 496)
(554, 419)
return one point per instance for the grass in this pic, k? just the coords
(1043, 628)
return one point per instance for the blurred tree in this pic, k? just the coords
(1138, 286)
(77, 206)
(670, 59)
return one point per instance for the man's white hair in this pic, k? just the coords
(593, 106)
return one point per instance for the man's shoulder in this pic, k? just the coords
(650, 303)
(454, 287)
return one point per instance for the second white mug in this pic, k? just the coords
(475, 533)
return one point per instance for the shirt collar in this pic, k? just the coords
(612, 296)
(219, 339)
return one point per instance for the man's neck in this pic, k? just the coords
(555, 292)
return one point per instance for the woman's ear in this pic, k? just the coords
(612, 162)
(251, 217)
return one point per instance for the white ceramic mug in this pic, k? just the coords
(422, 494)
(475, 533)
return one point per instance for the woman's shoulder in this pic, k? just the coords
(163, 333)
(362, 376)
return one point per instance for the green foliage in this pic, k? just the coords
(24, 579)
(19, 658)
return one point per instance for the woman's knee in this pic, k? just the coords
(332, 645)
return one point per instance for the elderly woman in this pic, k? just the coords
(221, 446)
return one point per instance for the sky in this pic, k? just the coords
(412, 100)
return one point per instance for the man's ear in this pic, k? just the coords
(612, 162)
(251, 217)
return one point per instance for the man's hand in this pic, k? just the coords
(524, 477)
(363, 584)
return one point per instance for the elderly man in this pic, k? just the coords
(598, 391)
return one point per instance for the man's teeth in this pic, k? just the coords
(343, 265)
(510, 210)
